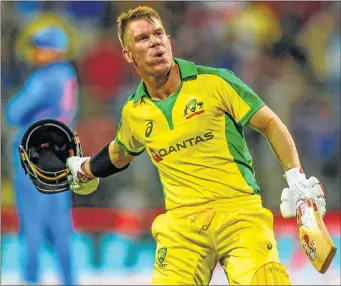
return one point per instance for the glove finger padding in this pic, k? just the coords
(321, 205)
(311, 182)
(75, 166)
(286, 195)
(70, 179)
(73, 184)
(317, 191)
(287, 209)
(321, 202)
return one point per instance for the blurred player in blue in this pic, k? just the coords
(50, 92)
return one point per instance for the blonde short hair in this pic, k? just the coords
(140, 12)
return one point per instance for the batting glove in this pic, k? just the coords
(301, 189)
(79, 182)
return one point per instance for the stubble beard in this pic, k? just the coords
(153, 70)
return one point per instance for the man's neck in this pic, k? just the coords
(162, 87)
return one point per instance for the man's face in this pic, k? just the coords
(148, 47)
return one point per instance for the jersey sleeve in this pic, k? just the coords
(124, 136)
(237, 98)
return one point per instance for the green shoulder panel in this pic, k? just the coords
(242, 89)
(234, 132)
(236, 143)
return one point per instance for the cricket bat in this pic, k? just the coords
(315, 239)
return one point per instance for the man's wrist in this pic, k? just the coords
(85, 167)
(294, 175)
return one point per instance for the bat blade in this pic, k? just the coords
(314, 236)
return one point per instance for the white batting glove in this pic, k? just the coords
(301, 189)
(78, 180)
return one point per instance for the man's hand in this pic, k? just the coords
(301, 189)
(79, 182)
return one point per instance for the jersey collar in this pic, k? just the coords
(187, 69)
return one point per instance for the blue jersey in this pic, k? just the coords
(50, 92)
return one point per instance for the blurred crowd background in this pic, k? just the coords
(288, 52)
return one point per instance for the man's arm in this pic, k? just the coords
(85, 171)
(113, 158)
(268, 123)
(28, 101)
(302, 194)
(118, 157)
(300, 188)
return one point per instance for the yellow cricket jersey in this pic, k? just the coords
(195, 136)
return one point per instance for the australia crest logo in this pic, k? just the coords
(193, 108)
(161, 256)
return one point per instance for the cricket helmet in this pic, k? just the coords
(44, 150)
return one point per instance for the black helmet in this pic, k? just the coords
(44, 149)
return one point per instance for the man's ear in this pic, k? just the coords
(127, 55)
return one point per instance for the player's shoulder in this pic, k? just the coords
(63, 68)
(223, 73)
(129, 103)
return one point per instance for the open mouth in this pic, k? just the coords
(158, 54)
